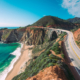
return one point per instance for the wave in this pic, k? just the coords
(17, 53)
(1, 42)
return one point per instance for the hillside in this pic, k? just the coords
(53, 73)
(77, 36)
(31, 36)
(16, 35)
(55, 22)
(46, 61)
(42, 39)
(74, 20)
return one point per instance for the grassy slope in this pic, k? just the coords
(50, 20)
(45, 59)
(6, 34)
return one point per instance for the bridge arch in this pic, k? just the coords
(53, 35)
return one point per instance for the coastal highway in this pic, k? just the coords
(72, 50)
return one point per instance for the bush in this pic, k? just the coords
(56, 48)
(62, 55)
(77, 42)
(48, 52)
(50, 64)
(53, 60)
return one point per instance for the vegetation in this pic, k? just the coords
(74, 20)
(50, 20)
(28, 25)
(63, 34)
(6, 34)
(62, 55)
(21, 28)
(75, 28)
(78, 43)
(45, 59)
(42, 46)
(56, 48)
(32, 28)
(41, 62)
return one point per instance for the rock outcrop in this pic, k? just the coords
(49, 73)
(1, 32)
(77, 35)
(30, 35)
(9, 36)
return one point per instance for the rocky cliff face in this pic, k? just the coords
(30, 36)
(77, 35)
(9, 36)
(49, 73)
(1, 32)
(36, 36)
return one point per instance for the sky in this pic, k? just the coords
(15, 13)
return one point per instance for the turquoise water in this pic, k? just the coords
(5, 54)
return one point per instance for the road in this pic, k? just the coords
(72, 50)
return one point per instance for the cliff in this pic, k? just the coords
(1, 32)
(30, 35)
(11, 35)
(46, 66)
(77, 36)
(49, 73)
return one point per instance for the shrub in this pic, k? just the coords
(62, 55)
(48, 52)
(50, 64)
(77, 42)
(56, 48)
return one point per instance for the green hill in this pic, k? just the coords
(55, 22)
(74, 20)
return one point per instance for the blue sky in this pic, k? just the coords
(24, 12)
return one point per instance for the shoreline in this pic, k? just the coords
(4, 74)
(23, 58)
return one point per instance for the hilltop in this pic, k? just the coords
(55, 22)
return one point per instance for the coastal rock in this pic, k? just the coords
(30, 35)
(1, 32)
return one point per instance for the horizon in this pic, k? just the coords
(23, 12)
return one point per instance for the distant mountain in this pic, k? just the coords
(55, 22)
(74, 20)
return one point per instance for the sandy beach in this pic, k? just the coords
(19, 66)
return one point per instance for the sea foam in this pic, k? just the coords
(17, 53)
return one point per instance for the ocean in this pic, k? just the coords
(9, 54)
(9, 27)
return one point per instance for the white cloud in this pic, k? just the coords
(73, 7)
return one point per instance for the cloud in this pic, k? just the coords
(73, 7)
